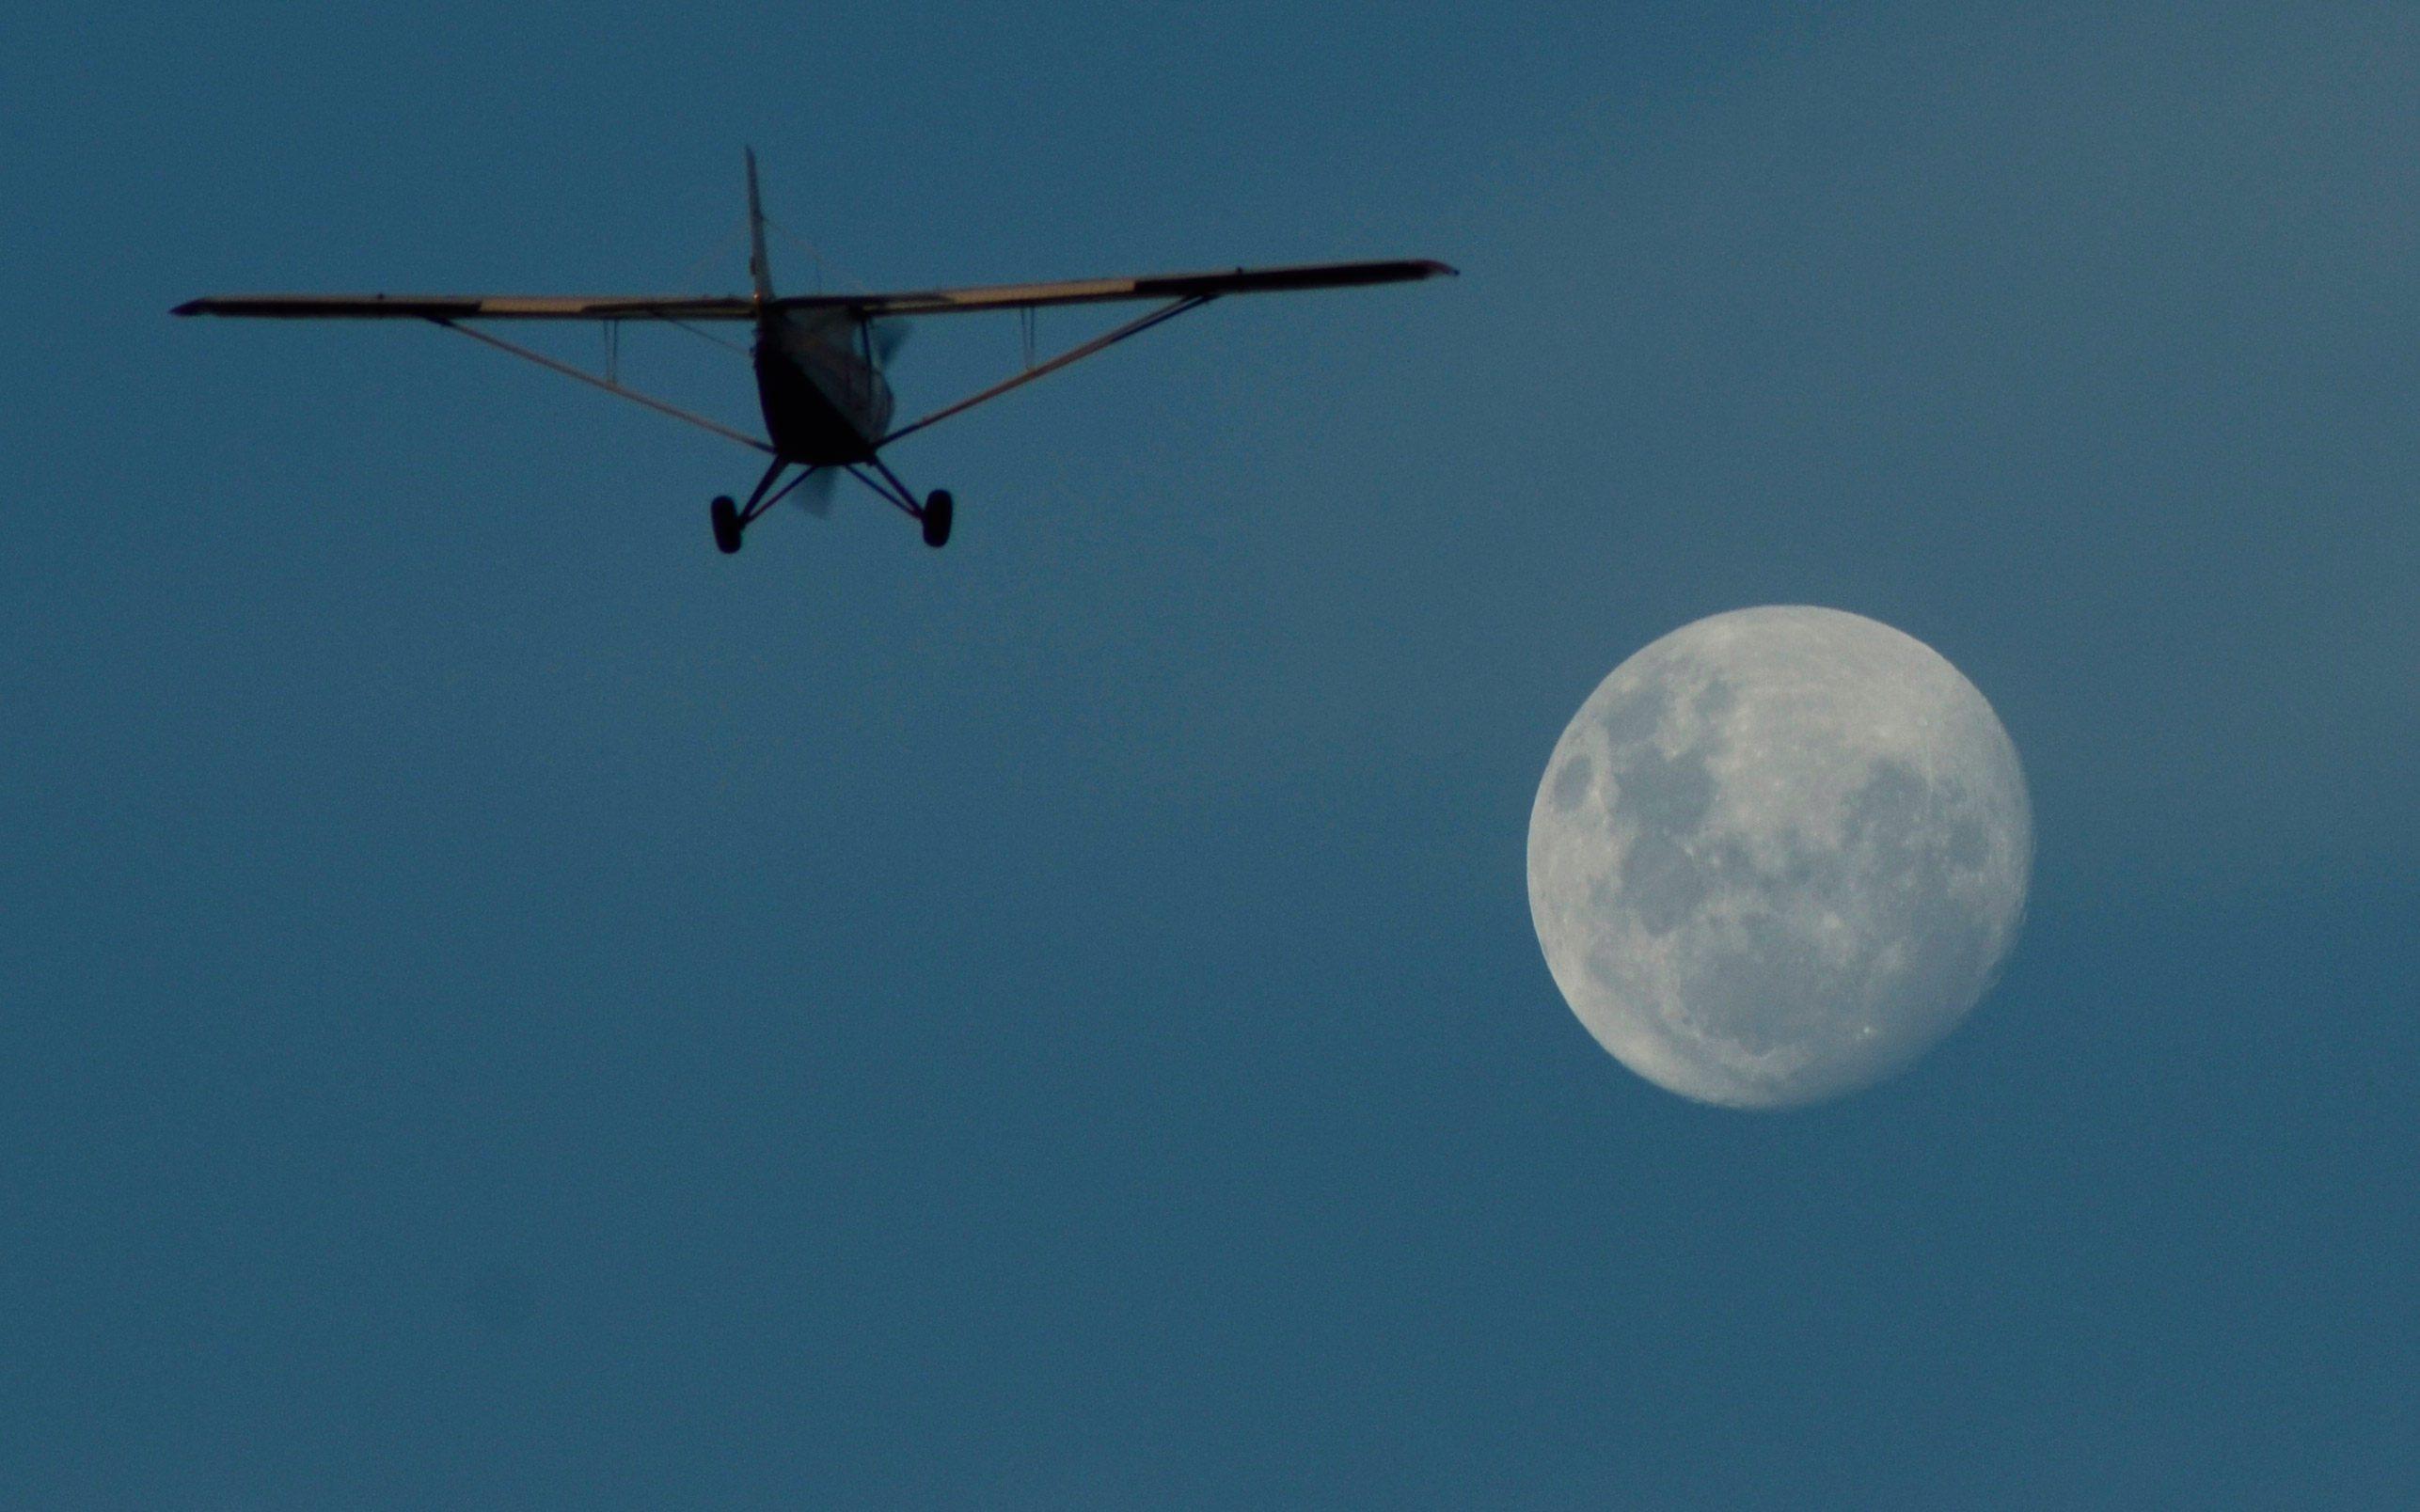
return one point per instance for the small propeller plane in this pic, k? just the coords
(819, 358)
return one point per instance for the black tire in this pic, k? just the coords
(725, 516)
(940, 509)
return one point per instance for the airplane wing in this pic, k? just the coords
(475, 307)
(1166, 286)
(1175, 292)
(1107, 291)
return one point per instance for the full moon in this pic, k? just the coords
(1778, 855)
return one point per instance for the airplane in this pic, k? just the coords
(819, 358)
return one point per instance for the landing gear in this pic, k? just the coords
(935, 514)
(731, 519)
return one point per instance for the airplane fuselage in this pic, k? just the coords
(824, 401)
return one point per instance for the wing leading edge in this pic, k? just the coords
(1170, 286)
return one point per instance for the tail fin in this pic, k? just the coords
(760, 272)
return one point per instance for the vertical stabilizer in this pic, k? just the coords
(760, 273)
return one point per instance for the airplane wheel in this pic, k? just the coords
(725, 515)
(938, 509)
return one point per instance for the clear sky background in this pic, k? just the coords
(505, 1007)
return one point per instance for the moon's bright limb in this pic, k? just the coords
(1778, 855)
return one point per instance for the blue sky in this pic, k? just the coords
(506, 1007)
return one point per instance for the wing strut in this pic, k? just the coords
(1136, 327)
(608, 384)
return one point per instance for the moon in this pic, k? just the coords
(1778, 855)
